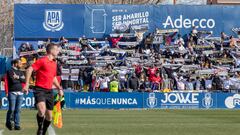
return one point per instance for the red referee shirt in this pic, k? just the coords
(46, 71)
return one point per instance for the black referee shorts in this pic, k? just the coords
(44, 95)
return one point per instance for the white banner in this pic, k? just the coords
(74, 74)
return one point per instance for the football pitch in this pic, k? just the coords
(135, 122)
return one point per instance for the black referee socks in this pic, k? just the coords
(46, 124)
(40, 121)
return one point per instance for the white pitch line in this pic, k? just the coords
(51, 130)
(1, 132)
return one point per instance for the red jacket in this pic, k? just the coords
(6, 84)
(115, 41)
(156, 79)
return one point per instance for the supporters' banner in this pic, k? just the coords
(74, 74)
(73, 21)
(65, 74)
(172, 100)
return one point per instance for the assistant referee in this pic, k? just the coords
(46, 69)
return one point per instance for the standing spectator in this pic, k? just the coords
(223, 37)
(151, 72)
(227, 84)
(104, 84)
(198, 83)
(115, 41)
(138, 70)
(193, 34)
(87, 76)
(15, 79)
(63, 41)
(166, 82)
(156, 81)
(123, 79)
(217, 83)
(114, 85)
(148, 41)
(179, 40)
(139, 35)
(180, 83)
(208, 83)
(142, 80)
(80, 78)
(83, 41)
(147, 85)
(168, 38)
(190, 45)
(133, 83)
(232, 42)
(189, 84)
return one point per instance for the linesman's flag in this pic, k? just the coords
(57, 115)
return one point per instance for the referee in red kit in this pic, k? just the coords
(46, 69)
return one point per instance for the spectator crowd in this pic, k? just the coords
(162, 61)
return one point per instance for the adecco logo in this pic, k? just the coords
(188, 23)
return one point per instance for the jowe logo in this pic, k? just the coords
(180, 98)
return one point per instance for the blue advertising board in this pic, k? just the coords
(73, 21)
(48, 20)
(174, 100)
(28, 101)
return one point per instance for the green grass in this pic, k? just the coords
(137, 122)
